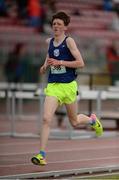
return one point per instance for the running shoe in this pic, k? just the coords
(97, 126)
(38, 160)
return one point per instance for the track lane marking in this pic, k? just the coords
(66, 161)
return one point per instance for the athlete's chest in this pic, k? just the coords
(58, 51)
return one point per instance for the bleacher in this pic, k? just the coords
(92, 23)
(91, 20)
(81, 5)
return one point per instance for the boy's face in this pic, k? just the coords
(58, 26)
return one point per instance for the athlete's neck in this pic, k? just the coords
(59, 39)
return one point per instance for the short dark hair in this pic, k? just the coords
(63, 16)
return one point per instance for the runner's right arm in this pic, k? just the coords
(45, 65)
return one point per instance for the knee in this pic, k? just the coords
(47, 120)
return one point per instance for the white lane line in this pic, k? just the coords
(100, 175)
(17, 144)
(31, 143)
(63, 150)
(66, 161)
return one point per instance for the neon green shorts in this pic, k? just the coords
(66, 93)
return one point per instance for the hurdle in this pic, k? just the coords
(70, 133)
(59, 134)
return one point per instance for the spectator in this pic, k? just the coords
(35, 14)
(115, 23)
(116, 5)
(113, 63)
(14, 67)
(76, 12)
(3, 8)
(22, 8)
(108, 5)
(51, 4)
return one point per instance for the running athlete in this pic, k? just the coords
(63, 58)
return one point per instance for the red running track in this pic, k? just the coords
(62, 156)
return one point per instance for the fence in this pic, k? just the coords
(26, 91)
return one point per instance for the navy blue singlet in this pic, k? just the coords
(61, 74)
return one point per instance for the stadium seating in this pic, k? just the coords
(90, 19)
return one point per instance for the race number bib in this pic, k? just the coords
(58, 69)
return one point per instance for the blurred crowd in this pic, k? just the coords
(36, 13)
(111, 5)
(33, 13)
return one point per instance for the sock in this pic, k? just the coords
(92, 120)
(43, 153)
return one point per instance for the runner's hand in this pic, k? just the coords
(53, 62)
(43, 69)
